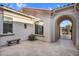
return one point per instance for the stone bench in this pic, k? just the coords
(11, 42)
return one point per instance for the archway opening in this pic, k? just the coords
(72, 31)
(66, 29)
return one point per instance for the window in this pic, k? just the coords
(38, 29)
(7, 25)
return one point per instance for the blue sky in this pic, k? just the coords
(50, 6)
(64, 23)
(18, 6)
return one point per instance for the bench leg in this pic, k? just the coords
(18, 41)
(9, 44)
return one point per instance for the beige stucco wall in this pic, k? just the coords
(45, 17)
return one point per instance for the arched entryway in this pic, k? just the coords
(57, 27)
(66, 30)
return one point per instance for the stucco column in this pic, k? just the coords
(47, 29)
(77, 33)
(52, 29)
(1, 23)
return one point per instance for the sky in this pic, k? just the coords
(65, 23)
(49, 6)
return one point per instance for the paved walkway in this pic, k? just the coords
(39, 48)
(66, 36)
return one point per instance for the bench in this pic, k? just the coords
(11, 42)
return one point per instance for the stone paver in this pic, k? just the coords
(38, 48)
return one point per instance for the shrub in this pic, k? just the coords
(32, 37)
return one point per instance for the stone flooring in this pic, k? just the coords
(66, 36)
(39, 48)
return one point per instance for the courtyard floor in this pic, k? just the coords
(39, 48)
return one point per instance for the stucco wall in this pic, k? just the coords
(55, 17)
(45, 17)
(19, 30)
(77, 32)
(1, 22)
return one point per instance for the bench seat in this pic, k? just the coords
(11, 42)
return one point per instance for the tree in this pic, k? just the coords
(68, 27)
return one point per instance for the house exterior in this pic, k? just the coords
(14, 24)
(53, 18)
(43, 23)
(45, 16)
